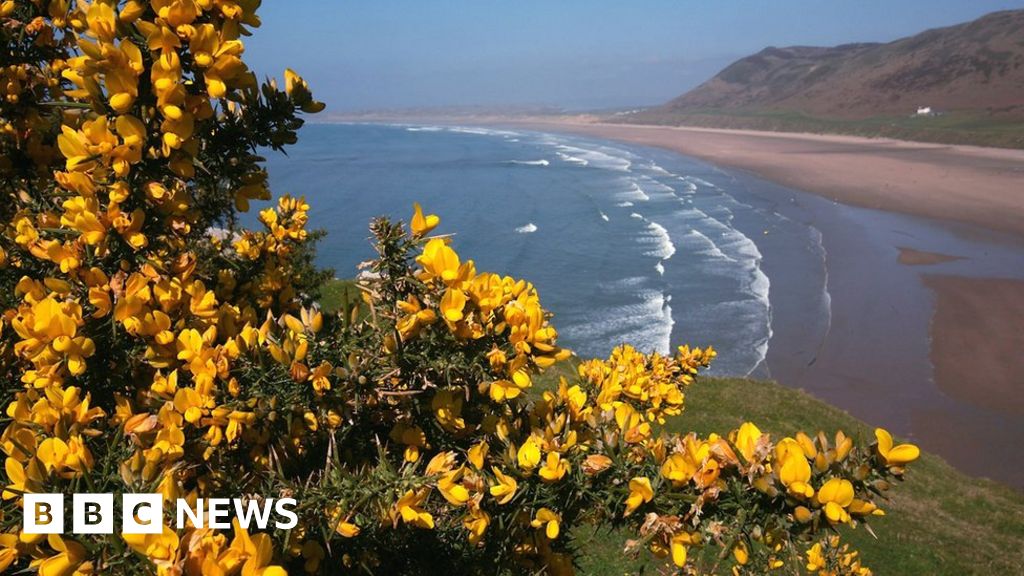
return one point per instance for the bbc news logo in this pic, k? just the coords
(144, 513)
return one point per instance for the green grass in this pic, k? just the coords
(976, 128)
(335, 293)
(939, 521)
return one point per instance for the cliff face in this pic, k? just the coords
(974, 66)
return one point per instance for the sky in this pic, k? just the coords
(571, 54)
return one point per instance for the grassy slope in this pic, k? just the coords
(940, 521)
(954, 128)
(336, 292)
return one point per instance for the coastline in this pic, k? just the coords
(852, 314)
(919, 321)
(969, 184)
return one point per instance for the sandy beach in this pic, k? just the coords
(981, 186)
(971, 399)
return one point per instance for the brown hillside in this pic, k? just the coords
(977, 66)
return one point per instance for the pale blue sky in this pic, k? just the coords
(576, 54)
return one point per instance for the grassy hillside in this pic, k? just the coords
(336, 293)
(940, 521)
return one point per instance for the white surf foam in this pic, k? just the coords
(639, 192)
(654, 186)
(646, 324)
(658, 235)
(481, 131)
(700, 181)
(603, 158)
(624, 284)
(634, 194)
(541, 162)
(664, 248)
(701, 244)
(696, 221)
(720, 242)
(654, 167)
(572, 159)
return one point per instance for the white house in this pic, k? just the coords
(924, 111)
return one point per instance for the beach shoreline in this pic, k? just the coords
(968, 184)
(966, 190)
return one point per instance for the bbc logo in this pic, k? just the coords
(93, 514)
(144, 513)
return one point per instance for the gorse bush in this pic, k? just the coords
(149, 343)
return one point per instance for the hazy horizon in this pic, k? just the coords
(573, 55)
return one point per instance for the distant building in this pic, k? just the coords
(925, 111)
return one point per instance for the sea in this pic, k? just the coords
(639, 245)
(625, 244)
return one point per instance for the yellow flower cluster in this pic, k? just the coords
(642, 389)
(270, 251)
(151, 344)
(828, 558)
(476, 305)
(112, 321)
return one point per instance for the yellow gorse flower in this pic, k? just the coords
(298, 90)
(451, 487)
(793, 468)
(548, 520)
(441, 262)
(835, 496)
(347, 529)
(555, 467)
(422, 225)
(747, 439)
(504, 488)
(895, 455)
(640, 492)
(528, 454)
(679, 545)
(476, 523)
(408, 509)
(68, 558)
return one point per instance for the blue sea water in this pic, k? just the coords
(625, 244)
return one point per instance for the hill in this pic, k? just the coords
(971, 75)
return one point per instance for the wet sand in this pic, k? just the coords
(926, 329)
(980, 353)
(912, 257)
